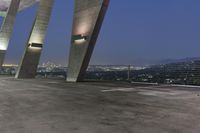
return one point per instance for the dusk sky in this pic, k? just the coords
(133, 30)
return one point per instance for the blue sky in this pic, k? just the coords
(133, 31)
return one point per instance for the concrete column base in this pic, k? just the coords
(28, 66)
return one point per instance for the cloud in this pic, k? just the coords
(4, 4)
(27, 3)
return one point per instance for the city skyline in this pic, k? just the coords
(152, 30)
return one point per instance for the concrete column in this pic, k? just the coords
(88, 18)
(28, 66)
(7, 28)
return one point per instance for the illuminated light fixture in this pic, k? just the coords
(79, 38)
(35, 45)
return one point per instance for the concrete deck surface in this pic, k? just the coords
(53, 106)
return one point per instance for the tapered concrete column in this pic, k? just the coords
(7, 28)
(28, 66)
(88, 18)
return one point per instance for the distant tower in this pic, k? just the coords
(88, 18)
(28, 66)
(7, 28)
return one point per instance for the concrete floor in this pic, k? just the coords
(53, 106)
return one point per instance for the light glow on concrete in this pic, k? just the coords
(37, 38)
(3, 45)
(83, 27)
